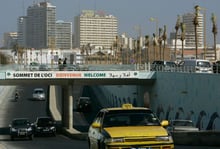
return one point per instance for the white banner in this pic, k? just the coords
(70, 74)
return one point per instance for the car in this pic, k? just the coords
(160, 65)
(216, 67)
(181, 125)
(196, 66)
(21, 128)
(157, 65)
(45, 126)
(128, 127)
(84, 104)
(38, 94)
(34, 66)
(43, 67)
(170, 66)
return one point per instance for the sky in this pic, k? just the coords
(131, 14)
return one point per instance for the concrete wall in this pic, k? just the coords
(174, 96)
(188, 96)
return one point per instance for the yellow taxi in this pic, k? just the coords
(128, 127)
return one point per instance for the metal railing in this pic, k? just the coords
(114, 67)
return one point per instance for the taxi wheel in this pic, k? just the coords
(101, 145)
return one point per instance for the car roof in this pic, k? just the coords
(39, 117)
(181, 120)
(38, 89)
(15, 119)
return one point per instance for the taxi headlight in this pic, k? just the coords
(163, 138)
(114, 140)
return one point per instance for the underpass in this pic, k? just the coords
(158, 90)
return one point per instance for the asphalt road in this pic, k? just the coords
(25, 107)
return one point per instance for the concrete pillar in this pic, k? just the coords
(67, 110)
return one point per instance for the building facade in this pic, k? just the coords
(63, 35)
(95, 28)
(190, 30)
(41, 25)
(21, 29)
(10, 39)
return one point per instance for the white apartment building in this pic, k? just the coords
(190, 30)
(41, 25)
(63, 35)
(95, 28)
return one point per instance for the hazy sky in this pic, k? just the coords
(130, 13)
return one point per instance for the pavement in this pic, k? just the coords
(4, 91)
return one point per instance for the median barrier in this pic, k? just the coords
(200, 138)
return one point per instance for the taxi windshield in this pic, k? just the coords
(130, 118)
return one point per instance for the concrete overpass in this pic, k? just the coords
(68, 80)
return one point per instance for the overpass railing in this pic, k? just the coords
(100, 67)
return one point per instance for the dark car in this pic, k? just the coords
(21, 128)
(216, 67)
(157, 65)
(84, 104)
(38, 94)
(45, 126)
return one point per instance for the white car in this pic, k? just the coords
(39, 94)
(181, 125)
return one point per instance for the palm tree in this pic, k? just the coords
(183, 29)
(177, 26)
(147, 43)
(160, 40)
(164, 37)
(214, 31)
(196, 23)
(154, 45)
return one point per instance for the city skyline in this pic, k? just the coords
(132, 15)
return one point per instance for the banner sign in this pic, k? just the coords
(70, 74)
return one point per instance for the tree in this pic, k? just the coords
(164, 37)
(177, 26)
(147, 43)
(155, 43)
(160, 41)
(214, 31)
(196, 23)
(183, 29)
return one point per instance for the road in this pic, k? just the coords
(25, 107)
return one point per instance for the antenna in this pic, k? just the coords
(95, 5)
(23, 9)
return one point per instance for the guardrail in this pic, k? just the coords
(110, 67)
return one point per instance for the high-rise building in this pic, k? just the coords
(190, 30)
(22, 31)
(41, 26)
(95, 28)
(10, 39)
(63, 35)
